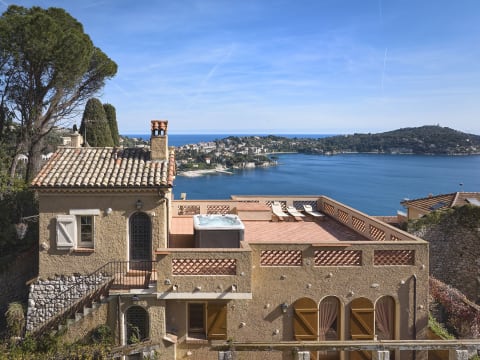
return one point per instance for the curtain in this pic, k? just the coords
(327, 315)
(384, 317)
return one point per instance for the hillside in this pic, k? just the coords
(419, 140)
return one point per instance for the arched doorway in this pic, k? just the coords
(305, 322)
(136, 324)
(329, 325)
(361, 325)
(140, 240)
(385, 318)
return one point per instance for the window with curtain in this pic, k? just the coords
(328, 319)
(385, 318)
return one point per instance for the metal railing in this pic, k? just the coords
(86, 289)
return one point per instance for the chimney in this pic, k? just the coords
(76, 140)
(159, 140)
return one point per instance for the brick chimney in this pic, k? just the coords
(76, 140)
(159, 140)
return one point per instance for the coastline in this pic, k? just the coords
(202, 172)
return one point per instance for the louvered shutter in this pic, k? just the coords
(217, 321)
(66, 232)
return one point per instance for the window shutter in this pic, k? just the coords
(217, 321)
(305, 320)
(66, 231)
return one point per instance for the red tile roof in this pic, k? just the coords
(441, 202)
(105, 168)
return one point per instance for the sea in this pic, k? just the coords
(372, 183)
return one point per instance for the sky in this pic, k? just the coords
(286, 66)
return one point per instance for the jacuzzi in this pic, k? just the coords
(218, 231)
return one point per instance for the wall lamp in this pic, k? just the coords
(139, 204)
(135, 298)
(284, 307)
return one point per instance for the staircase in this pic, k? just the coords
(56, 303)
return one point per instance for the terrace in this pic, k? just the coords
(344, 238)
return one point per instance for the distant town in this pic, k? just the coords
(241, 152)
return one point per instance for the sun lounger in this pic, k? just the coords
(294, 212)
(309, 210)
(278, 212)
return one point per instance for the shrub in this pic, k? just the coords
(15, 317)
(102, 334)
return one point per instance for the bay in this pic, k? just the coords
(372, 183)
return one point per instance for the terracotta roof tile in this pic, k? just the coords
(431, 203)
(105, 168)
(441, 202)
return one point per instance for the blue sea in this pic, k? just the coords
(372, 183)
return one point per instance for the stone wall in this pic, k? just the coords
(13, 281)
(455, 257)
(48, 298)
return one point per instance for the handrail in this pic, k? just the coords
(114, 274)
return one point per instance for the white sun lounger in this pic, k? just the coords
(294, 212)
(277, 211)
(309, 210)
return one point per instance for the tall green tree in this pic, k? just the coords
(48, 68)
(94, 126)
(112, 122)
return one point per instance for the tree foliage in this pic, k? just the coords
(112, 122)
(94, 126)
(48, 67)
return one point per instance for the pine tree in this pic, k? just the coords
(48, 67)
(112, 123)
(94, 126)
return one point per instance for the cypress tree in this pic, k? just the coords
(94, 126)
(112, 123)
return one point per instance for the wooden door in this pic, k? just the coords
(217, 321)
(305, 322)
(362, 325)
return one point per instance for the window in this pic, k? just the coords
(207, 321)
(76, 230)
(85, 230)
(196, 320)
(137, 324)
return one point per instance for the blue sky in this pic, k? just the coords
(274, 66)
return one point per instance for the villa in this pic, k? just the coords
(201, 279)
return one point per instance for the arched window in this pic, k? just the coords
(385, 318)
(136, 324)
(140, 239)
(329, 319)
(305, 319)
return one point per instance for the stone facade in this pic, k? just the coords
(64, 290)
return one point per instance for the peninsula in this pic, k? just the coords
(254, 151)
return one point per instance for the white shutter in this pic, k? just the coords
(66, 231)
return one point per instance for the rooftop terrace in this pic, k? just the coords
(341, 224)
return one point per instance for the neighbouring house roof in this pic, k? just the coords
(105, 168)
(443, 201)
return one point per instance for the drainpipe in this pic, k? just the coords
(414, 276)
(163, 197)
(118, 321)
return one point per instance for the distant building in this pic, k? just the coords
(417, 208)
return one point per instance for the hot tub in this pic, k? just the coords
(218, 231)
